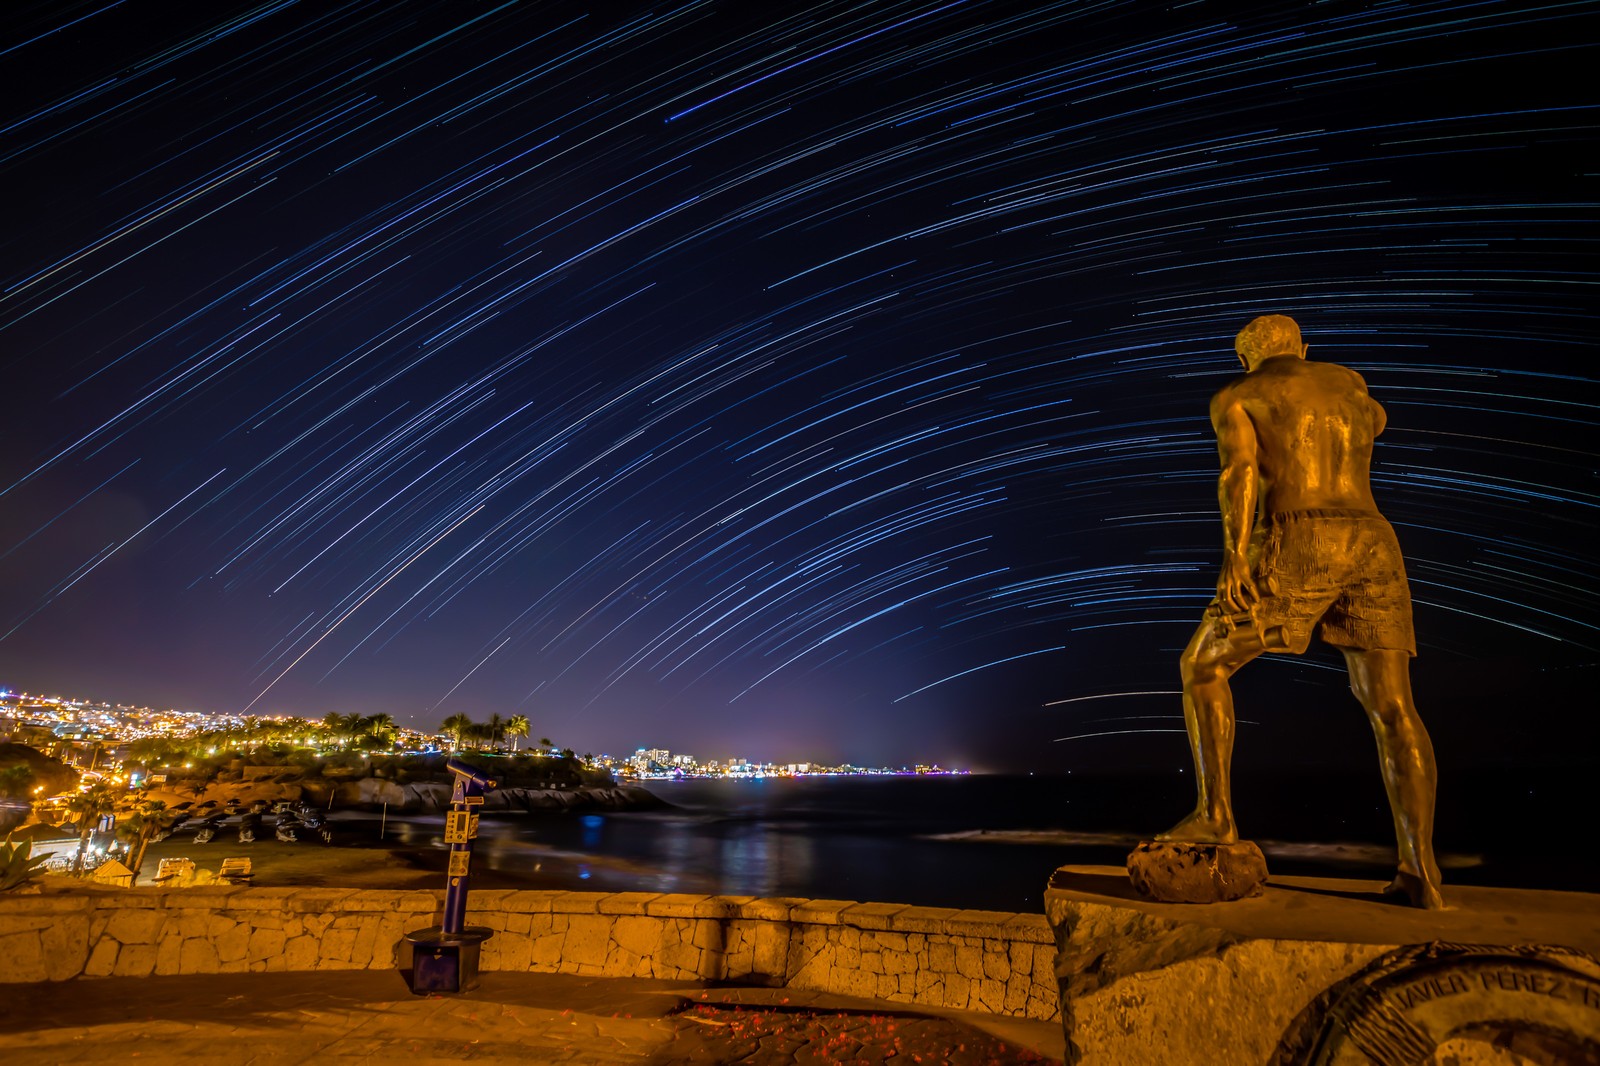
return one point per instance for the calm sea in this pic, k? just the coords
(992, 841)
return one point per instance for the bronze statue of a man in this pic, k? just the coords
(1305, 548)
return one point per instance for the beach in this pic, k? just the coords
(403, 858)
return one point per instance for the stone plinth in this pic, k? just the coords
(1170, 872)
(1296, 973)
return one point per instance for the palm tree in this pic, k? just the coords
(516, 726)
(456, 728)
(87, 808)
(380, 729)
(477, 735)
(150, 817)
(495, 730)
(546, 743)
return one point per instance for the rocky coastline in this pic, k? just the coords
(420, 796)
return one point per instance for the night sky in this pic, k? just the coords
(797, 381)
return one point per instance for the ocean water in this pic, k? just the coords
(992, 841)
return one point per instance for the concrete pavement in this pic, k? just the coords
(351, 1017)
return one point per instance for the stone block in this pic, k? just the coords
(770, 954)
(337, 944)
(678, 959)
(544, 953)
(624, 902)
(514, 953)
(169, 954)
(820, 911)
(991, 996)
(721, 906)
(525, 901)
(300, 953)
(198, 956)
(996, 966)
(709, 936)
(872, 915)
(674, 905)
(1016, 1001)
(265, 944)
(233, 945)
(135, 925)
(639, 936)
(318, 900)
(923, 919)
(64, 943)
(988, 925)
(135, 960)
(1171, 872)
(587, 940)
(577, 902)
(366, 940)
(769, 909)
(1029, 928)
(854, 983)
(23, 955)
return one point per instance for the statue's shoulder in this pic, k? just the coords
(1228, 394)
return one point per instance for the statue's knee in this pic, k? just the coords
(1391, 714)
(1197, 671)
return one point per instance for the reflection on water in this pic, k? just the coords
(965, 842)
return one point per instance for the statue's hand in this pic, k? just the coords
(1236, 590)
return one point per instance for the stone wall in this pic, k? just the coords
(971, 960)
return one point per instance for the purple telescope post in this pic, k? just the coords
(461, 829)
(444, 957)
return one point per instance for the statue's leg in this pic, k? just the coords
(1206, 665)
(1381, 680)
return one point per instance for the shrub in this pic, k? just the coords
(17, 865)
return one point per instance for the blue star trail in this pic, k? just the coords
(700, 372)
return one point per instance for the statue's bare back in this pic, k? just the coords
(1314, 427)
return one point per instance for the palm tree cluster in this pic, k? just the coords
(365, 732)
(361, 731)
(465, 733)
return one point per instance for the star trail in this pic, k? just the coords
(818, 381)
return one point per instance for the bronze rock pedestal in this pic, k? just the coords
(1174, 872)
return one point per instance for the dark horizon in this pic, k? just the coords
(834, 381)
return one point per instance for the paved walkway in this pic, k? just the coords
(370, 1017)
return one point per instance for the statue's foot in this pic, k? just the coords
(1201, 828)
(1419, 891)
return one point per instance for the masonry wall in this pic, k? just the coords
(972, 960)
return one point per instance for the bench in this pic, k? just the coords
(235, 871)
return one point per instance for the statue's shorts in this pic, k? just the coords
(1337, 572)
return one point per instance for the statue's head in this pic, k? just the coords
(1267, 337)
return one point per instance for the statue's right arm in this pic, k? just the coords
(1380, 417)
(1236, 496)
